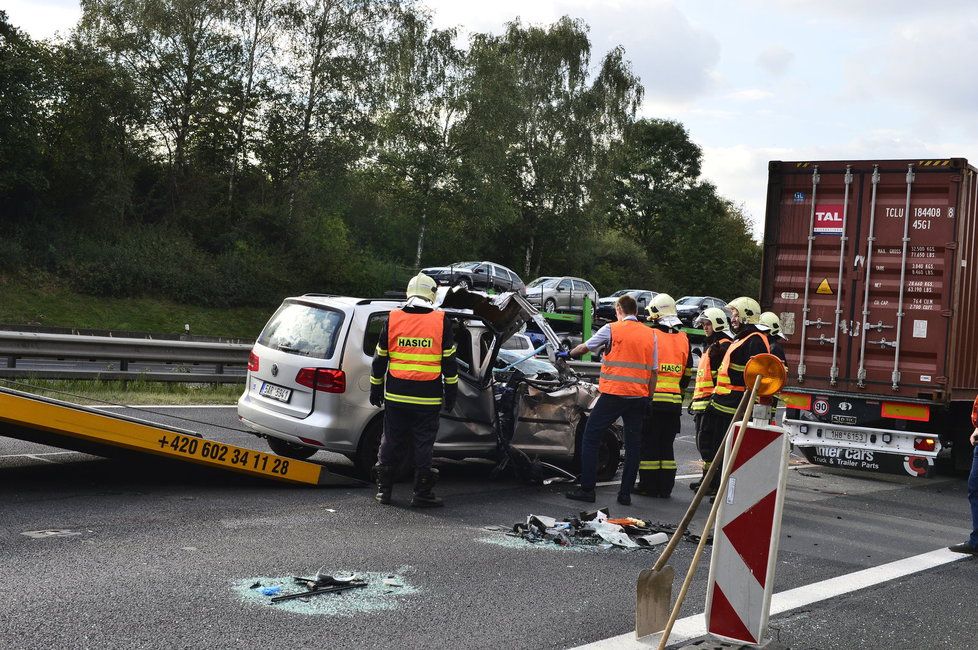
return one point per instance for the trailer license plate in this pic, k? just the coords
(276, 392)
(848, 436)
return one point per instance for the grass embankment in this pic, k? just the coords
(42, 301)
(100, 393)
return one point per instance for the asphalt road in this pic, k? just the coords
(155, 554)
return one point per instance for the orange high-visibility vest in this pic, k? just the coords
(706, 378)
(626, 368)
(724, 385)
(414, 345)
(673, 354)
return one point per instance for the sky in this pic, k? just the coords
(755, 80)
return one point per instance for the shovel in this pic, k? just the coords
(653, 593)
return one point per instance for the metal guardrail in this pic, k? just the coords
(157, 360)
(589, 369)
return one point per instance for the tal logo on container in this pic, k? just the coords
(828, 219)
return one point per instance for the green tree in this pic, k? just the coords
(556, 120)
(417, 143)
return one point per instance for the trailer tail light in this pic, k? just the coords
(327, 380)
(924, 444)
(252, 362)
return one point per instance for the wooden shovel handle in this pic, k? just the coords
(701, 492)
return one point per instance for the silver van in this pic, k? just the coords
(309, 382)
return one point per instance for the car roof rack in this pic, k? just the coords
(367, 301)
(320, 295)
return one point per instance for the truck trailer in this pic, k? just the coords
(872, 267)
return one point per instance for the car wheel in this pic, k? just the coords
(550, 305)
(609, 453)
(368, 449)
(290, 449)
(463, 283)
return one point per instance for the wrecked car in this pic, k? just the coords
(308, 384)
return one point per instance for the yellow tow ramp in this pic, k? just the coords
(62, 424)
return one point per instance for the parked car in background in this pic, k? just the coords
(606, 306)
(689, 307)
(554, 294)
(483, 276)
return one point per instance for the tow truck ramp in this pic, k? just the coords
(70, 426)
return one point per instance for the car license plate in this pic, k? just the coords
(848, 436)
(276, 392)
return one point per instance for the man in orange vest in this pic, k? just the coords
(657, 469)
(414, 374)
(718, 337)
(971, 546)
(627, 381)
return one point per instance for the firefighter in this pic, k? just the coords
(657, 471)
(716, 326)
(750, 339)
(414, 375)
(775, 335)
(627, 381)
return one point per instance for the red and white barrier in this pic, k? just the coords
(745, 540)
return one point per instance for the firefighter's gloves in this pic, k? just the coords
(377, 395)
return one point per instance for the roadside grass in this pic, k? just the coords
(133, 392)
(42, 300)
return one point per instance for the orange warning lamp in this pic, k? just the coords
(771, 371)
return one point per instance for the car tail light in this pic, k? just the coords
(310, 441)
(327, 380)
(252, 362)
(924, 444)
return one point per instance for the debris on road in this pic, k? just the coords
(587, 530)
(328, 594)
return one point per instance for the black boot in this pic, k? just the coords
(424, 481)
(385, 482)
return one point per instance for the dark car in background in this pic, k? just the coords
(482, 276)
(689, 307)
(606, 306)
(561, 293)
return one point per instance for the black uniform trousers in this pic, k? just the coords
(404, 427)
(657, 469)
(709, 436)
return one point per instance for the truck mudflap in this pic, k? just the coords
(885, 451)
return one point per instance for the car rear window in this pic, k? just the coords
(372, 334)
(303, 329)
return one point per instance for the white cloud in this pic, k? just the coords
(42, 18)
(750, 95)
(775, 59)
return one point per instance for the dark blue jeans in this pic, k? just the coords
(606, 410)
(973, 497)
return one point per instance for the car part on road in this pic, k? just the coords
(319, 591)
(588, 530)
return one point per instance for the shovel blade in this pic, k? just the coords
(653, 601)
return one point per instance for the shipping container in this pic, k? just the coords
(871, 267)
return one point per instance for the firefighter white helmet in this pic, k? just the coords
(748, 310)
(661, 306)
(423, 287)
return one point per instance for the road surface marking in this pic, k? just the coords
(694, 626)
(35, 456)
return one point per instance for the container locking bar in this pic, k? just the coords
(903, 275)
(870, 241)
(808, 276)
(834, 370)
